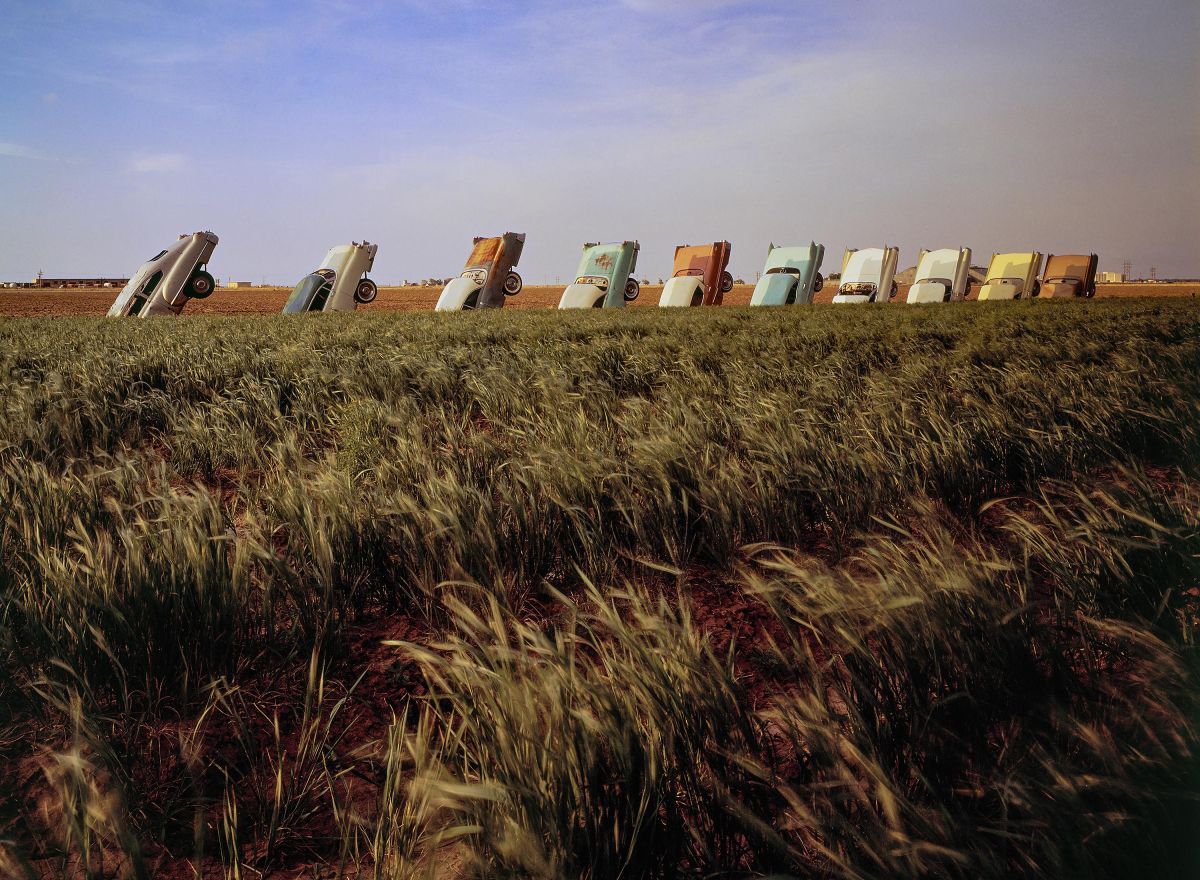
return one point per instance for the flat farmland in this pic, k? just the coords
(269, 300)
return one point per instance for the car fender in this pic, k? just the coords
(580, 296)
(772, 289)
(680, 291)
(455, 294)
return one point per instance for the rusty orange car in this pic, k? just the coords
(488, 276)
(699, 276)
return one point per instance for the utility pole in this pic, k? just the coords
(1127, 270)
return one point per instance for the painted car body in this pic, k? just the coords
(790, 277)
(868, 275)
(164, 283)
(488, 276)
(1069, 275)
(604, 277)
(339, 284)
(698, 276)
(942, 275)
(1011, 276)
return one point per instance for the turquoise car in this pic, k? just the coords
(603, 279)
(791, 277)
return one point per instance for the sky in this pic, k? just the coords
(290, 126)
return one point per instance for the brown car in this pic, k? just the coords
(1069, 275)
(488, 277)
(699, 276)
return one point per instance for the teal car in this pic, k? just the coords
(604, 278)
(791, 277)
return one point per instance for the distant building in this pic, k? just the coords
(233, 284)
(77, 282)
(1109, 277)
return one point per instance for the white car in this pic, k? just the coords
(1012, 276)
(868, 275)
(942, 275)
(165, 283)
(339, 284)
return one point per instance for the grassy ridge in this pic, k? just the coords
(964, 536)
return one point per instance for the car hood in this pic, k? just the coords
(927, 292)
(455, 294)
(1000, 290)
(1070, 287)
(772, 290)
(680, 291)
(580, 296)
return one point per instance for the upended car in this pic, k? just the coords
(1012, 276)
(167, 281)
(1069, 275)
(942, 275)
(868, 275)
(488, 276)
(698, 276)
(339, 284)
(604, 277)
(791, 276)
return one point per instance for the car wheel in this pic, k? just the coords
(632, 289)
(200, 285)
(895, 289)
(1037, 289)
(726, 282)
(819, 283)
(471, 302)
(512, 284)
(366, 291)
(1091, 291)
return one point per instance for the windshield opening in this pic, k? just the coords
(309, 295)
(784, 270)
(156, 256)
(683, 273)
(139, 300)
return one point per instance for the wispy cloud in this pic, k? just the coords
(20, 151)
(157, 163)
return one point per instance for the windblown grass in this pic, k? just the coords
(960, 545)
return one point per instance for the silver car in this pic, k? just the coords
(165, 283)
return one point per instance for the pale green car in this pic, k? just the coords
(604, 278)
(791, 277)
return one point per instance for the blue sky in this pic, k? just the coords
(287, 127)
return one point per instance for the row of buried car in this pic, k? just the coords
(605, 277)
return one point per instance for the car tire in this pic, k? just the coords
(726, 282)
(1091, 292)
(895, 290)
(632, 289)
(512, 284)
(1037, 289)
(819, 283)
(201, 285)
(366, 291)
